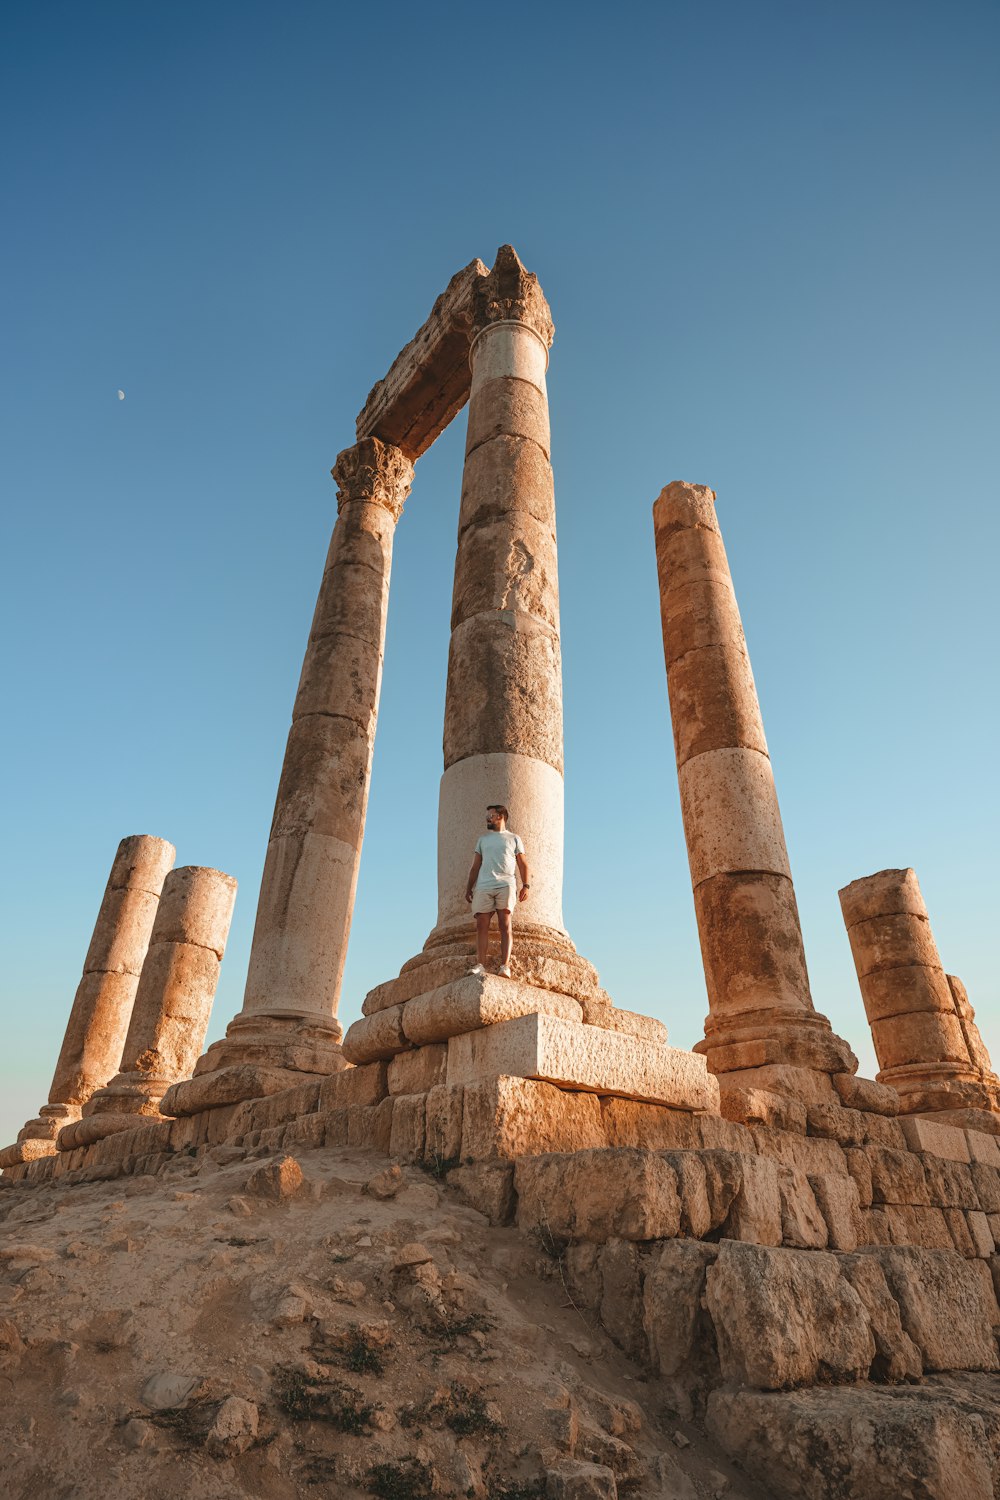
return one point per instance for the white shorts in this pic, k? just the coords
(495, 898)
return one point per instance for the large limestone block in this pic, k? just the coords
(912, 987)
(324, 779)
(507, 478)
(507, 565)
(936, 1140)
(896, 1355)
(803, 1226)
(418, 1071)
(597, 1196)
(751, 943)
(508, 348)
(865, 1094)
(839, 1203)
(921, 1036)
(196, 907)
(522, 652)
(341, 675)
(713, 702)
(512, 1117)
(121, 933)
(651, 1127)
(226, 1086)
(786, 1317)
(731, 817)
(892, 941)
(26, 1151)
(508, 407)
(296, 956)
(475, 1001)
(364, 1085)
(863, 1443)
(584, 1057)
(443, 1126)
(699, 615)
(754, 1211)
(943, 1307)
(375, 1038)
(672, 1302)
(95, 1035)
(353, 597)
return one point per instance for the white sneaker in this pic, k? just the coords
(504, 970)
(477, 969)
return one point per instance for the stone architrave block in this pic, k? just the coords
(477, 1001)
(512, 1117)
(943, 1307)
(786, 1317)
(935, 1140)
(598, 1196)
(586, 1058)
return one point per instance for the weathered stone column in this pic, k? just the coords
(102, 1006)
(172, 1007)
(503, 734)
(923, 1027)
(289, 1017)
(762, 1029)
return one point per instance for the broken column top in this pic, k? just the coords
(429, 380)
(886, 893)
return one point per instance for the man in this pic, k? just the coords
(492, 886)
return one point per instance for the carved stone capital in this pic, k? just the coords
(510, 294)
(373, 471)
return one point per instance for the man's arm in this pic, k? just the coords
(477, 865)
(522, 866)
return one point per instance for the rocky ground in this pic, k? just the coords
(321, 1325)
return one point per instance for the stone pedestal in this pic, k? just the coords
(172, 1007)
(926, 1039)
(762, 1030)
(288, 1024)
(102, 1006)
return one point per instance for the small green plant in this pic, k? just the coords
(321, 1401)
(439, 1166)
(407, 1480)
(462, 1410)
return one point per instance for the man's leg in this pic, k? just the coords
(483, 935)
(506, 937)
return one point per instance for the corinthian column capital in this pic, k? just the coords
(375, 472)
(510, 294)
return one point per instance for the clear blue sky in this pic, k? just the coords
(769, 238)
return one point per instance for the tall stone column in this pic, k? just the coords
(288, 1023)
(102, 1006)
(762, 1029)
(923, 1027)
(172, 1007)
(503, 732)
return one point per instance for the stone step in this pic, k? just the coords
(575, 1056)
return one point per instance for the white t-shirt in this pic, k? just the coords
(498, 851)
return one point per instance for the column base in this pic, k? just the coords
(926, 1088)
(791, 1052)
(259, 1055)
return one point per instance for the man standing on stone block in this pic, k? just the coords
(492, 886)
